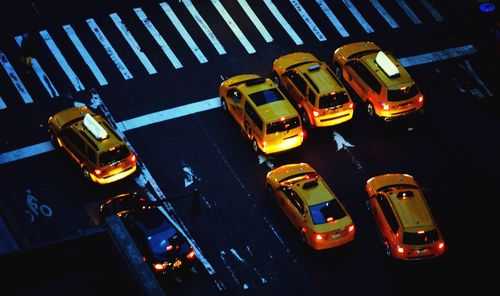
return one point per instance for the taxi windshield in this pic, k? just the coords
(266, 96)
(114, 154)
(333, 100)
(283, 125)
(321, 213)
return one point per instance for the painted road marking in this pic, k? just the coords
(40, 73)
(388, 18)
(308, 20)
(62, 61)
(109, 49)
(335, 21)
(414, 18)
(213, 103)
(133, 43)
(159, 39)
(85, 55)
(279, 17)
(233, 26)
(15, 79)
(355, 12)
(204, 26)
(432, 10)
(184, 33)
(256, 21)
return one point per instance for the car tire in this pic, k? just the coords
(302, 236)
(305, 119)
(223, 104)
(387, 249)
(276, 79)
(255, 146)
(370, 110)
(337, 70)
(53, 139)
(86, 173)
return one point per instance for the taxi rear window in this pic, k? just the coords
(113, 155)
(405, 93)
(331, 209)
(266, 96)
(333, 100)
(427, 237)
(283, 125)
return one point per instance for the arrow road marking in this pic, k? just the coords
(341, 142)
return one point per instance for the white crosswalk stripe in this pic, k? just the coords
(388, 18)
(133, 43)
(256, 21)
(184, 33)
(15, 78)
(77, 84)
(85, 55)
(279, 17)
(204, 26)
(159, 39)
(308, 20)
(409, 12)
(361, 20)
(233, 26)
(109, 49)
(44, 78)
(2, 104)
(435, 14)
(335, 21)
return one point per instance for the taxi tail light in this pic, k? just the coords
(384, 106)
(159, 266)
(191, 255)
(132, 158)
(319, 237)
(421, 99)
(264, 144)
(97, 172)
(441, 246)
(302, 134)
(401, 250)
(351, 105)
(315, 113)
(350, 228)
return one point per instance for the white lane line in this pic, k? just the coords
(85, 55)
(237, 256)
(62, 60)
(168, 114)
(204, 26)
(256, 21)
(109, 49)
(133, 43)
(279, 17)
(233, 26)
(435, 14)
(2, 104)
(159, 39)
(26, 152)
(409, 12)
(213, 103)
(439, 55)
(40, 73)
(388, 18)
(335, 21)
(231, 271)
(15, 79)
(184, 33)
(308, 20)
(355, 12)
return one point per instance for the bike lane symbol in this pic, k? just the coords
(35, 209)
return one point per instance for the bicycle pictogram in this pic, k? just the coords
(34, 208)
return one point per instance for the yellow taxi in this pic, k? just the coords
(264, 114)
(314, 210)
(382, 83)
(318, 94)
(404, 220)
(100, 152)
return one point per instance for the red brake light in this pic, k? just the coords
(441, 245)
(351, 105)
(264, 143)
(319, 237)
(401, 250)
(97, 172)
(315, 113)
(132, 158)
(420, 99)
(191, 254)
(159, 266)
(329, 219)
(351, 228)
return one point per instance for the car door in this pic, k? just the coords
(296, 86)
(234, 104)
(73, 144)
(354, 77)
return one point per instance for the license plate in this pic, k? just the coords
(336, 235)
(420, 251)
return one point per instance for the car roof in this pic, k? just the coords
(112, 139)
(322, 78)
(314, 190)
(404, 78)
(411, 208)
(150, 220)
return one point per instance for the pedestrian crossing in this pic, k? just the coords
(288, 14)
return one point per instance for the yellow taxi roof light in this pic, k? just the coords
(386, 64)
(94, 127)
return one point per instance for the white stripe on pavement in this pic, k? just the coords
(203, 25)
(233, 26)
(15, 79)
(388, 18)
(168, 114)
(335, 21)
(159, 39)
(256, 21)
(432, 10)
(308, 20)
(109, 49)
(213, 103)
(62, 61)
(361, 20)
(184, 33)
(40, 73)
(85, 55)
(2, 104)
(414, 18)
(133, 43)
(279, 17)
(439, 55)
